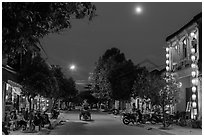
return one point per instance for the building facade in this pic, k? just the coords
(184, 62)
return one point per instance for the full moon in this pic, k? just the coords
(138, 9)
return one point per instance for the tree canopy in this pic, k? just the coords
(112, 77)
(24, 23)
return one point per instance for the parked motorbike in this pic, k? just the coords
(159, 118)
(45, 119)
(5, 129)
(54, 114)
(85, 115)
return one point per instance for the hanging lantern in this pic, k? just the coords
(194, 104)
(194, 89)
(193, 58)
(167, 55)
(167, 49)
(194, 97)
(193, 50)
(193, 73)
(192, 34)
(167, 62)
(195, 81)
(167, 68)
(193, 66)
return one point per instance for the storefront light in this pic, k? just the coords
(194, 97)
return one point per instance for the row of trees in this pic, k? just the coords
(117, 78)
(23, 25)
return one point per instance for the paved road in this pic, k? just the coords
(102, 124)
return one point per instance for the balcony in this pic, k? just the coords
(182, 64)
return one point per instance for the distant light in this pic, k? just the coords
(138, 10)
(72, 67)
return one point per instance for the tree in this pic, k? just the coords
(66, 86)
(24, 23)
(141, 82)
(112, 76)
(36, 79)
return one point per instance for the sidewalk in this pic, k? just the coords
(173, 129)
(43, 131)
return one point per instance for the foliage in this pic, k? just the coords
(36, 78)
(24, 23)
(87, 95)
(141, 86)
(66, 86)
(112, 76)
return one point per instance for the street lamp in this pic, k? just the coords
(72, 67)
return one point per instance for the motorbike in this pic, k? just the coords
(132, 117)
(85, 115)
(45, 119)
(158, 118)
(5, 129)
(54, 114)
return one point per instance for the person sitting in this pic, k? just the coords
(13, 120)
(21, 121)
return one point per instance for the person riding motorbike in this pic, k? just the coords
(84, 110)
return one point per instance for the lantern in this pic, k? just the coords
(167, 49)
(167, 55)
(193, 73)
(194, 97)
(193, 50)
(195, 81)
(167, 68)
(193, 66)
(194, 89)
(194, 104)
(167, 62)
(193, 58)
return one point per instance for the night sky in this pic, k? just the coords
(139, 36)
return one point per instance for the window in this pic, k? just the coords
(184, 48)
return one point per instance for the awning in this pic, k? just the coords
(14, 84)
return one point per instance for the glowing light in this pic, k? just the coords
(194, 97)
(167, 62)
(72, 67)
(194, 89)
(194, 104)
(167, 55)
(167, 68)
(193, 58)
(192, 34)
(193, 66)
(193, 73)
(138, 9)
(195, 81)
(193, 50)
(167, 49)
